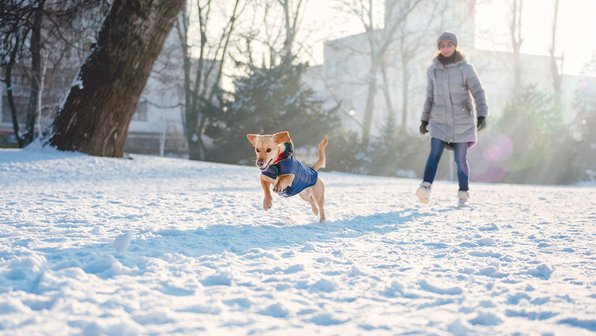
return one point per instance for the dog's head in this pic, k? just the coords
(268, 147)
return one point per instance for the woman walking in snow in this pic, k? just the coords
(450, 114)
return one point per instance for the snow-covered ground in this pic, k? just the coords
(100, 246)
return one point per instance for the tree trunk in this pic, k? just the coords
(386, 89)
(405, 90)
(556, 73)
(9, 91)
(208, 71)
(516, 42)
(98, 110)
(36, 74)
(370, 106)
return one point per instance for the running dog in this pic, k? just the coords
(288, 176)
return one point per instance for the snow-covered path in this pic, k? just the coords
(99, 246)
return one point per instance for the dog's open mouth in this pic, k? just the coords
(266, 166)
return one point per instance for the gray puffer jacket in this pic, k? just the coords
(449, 107)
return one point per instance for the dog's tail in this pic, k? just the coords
(321, 161)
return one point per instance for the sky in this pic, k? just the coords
(323, 20)
(575, 38)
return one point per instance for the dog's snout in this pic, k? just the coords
(260, 163)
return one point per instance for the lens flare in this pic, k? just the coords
(491, 164)
(500, 150)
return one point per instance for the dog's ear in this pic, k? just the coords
(252, 138)
(281, 137)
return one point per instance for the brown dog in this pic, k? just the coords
(288, 176)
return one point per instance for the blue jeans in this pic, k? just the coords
(461, 160)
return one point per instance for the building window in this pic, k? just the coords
(141, 113)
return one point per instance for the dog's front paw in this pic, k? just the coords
(267, 203)
(279, 187)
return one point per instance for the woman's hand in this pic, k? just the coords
(423, 129)
(481, 123)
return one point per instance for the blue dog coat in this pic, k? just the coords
(304, 176)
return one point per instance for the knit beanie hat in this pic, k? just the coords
(447, 36)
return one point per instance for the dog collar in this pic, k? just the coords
(286, 153)
(279, 158)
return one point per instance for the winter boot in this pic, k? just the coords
(462, 196)
(423, 192)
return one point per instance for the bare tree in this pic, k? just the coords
(379, 43)
(292, 17)
(408, 49)
(515, 30)
(555, 70)
(277, 34)
(203, 74)
(97, 112)
(40, 35)
(15, 29)
(35, 46)
(14, 32)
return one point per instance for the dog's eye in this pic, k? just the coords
(258, 150)
(268, 150)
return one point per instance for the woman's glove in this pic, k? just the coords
(423, 129)
(481, 122)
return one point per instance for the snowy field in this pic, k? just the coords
(156, 246)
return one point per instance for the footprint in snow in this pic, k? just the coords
(275, 310)
(326, 320)
(542, 271)
(424, 285)
(486, 319)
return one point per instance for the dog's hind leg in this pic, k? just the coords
(308, 196)
(318, 194)
(322, 158)
(321, 203)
